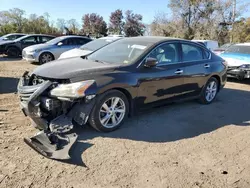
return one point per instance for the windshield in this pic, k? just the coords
(55, 40)
(241, 49)
(5, 36)
(226, 45)
(124, 51)
(96, 44)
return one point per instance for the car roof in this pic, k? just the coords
(17, 34)
(111, 37)
(157, 39)
(203, 40)
(243, 44)
(30, 35)
(72, 36)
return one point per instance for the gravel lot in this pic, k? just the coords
(176, 146)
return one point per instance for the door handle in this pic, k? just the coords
(178, 71)
(206, 66)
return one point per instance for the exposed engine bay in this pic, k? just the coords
(53, 116)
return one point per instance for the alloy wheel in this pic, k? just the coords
(211, 91)
(46, 58)
(112, 112)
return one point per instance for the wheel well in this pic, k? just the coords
(48, 53)
(129, 97)
(8, 47)
(218, 79)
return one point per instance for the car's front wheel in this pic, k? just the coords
(110, 111)
(13, 52)
(209, 91)
(45, 58)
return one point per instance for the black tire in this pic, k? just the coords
(13, 52)
(48, 54)
(94, 119)
(203, 98)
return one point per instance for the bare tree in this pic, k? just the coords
(73, 25)
(61, 24)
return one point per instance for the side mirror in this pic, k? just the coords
(150, 62)
(5, 38)
(59, 44)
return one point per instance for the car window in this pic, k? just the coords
(82, 41)
(191, 53)
(206, 54)
(46, 39)
(33, 39)
(12, 37)
(98, 43)
(165, 54)
(125, 51)
(240, 49)
(70, 41)
(18, 36)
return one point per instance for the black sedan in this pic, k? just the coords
(118, 80)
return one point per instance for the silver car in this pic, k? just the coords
(52, 49)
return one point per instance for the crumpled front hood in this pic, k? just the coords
(77, 52)
(71, 68)
(234, 59)
(37, 47)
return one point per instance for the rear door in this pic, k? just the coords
(197, 68)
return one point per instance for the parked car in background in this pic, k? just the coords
(238, 60)
(210, 44)
(89, 47)
(52, 49)
(222, 48)
(11, 36)
(103, 88)
(14, 48)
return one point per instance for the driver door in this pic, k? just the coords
(165, 80)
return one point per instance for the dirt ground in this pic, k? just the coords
(176, 146)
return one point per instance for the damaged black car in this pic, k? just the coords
(118, 80)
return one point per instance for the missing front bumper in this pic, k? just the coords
(52, 146)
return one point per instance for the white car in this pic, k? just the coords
(89, 47)
(237, 57)
(210, 44)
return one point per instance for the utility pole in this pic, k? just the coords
(233, 19)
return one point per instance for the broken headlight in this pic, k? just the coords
(74, 90)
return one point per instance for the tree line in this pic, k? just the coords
(218, 20)
(14, 20)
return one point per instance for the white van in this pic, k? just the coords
(210, 44)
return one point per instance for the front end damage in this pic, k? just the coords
(55, 117)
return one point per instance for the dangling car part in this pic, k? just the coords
(52, 116)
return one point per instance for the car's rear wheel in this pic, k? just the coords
(110, 111)
(13, 52)
(209, 91)
(45, 57)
